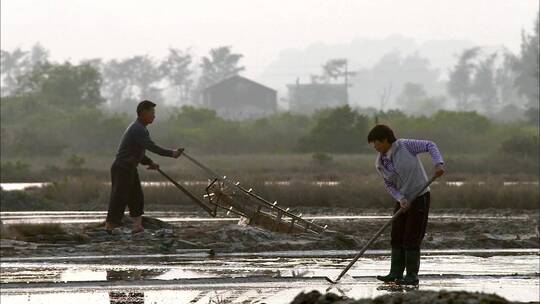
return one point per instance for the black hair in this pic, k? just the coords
(381, 132)
(144, 105)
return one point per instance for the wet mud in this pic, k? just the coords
(212, 261)
(462, 231)
(418, 297)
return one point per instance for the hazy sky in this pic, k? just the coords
(75, 29)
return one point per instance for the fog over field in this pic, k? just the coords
(280, 41)
(250, 151)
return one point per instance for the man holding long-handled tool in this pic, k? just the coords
(126, 186)
(403, 176)
(406, 180)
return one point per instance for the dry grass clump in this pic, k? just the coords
(280, 166)
(350, 191)
(24, 231)
(87, 193)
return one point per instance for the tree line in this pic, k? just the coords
(498, 84)
(120, 83)
(32, 127)
(53, 108)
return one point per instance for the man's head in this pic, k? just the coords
(381, 138)
(146, 111)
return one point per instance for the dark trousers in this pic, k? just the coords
(125, 191)
(409, 229)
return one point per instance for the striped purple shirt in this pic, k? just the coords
(415, 147)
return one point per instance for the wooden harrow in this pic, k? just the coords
(223, 194)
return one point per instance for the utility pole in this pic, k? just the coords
(346, 75)
(346, 81)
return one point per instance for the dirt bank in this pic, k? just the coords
(417, 297)
(517, 230)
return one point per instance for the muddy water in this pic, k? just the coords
(86, 217)
(274, 278)
(149, 276)
(23, 186)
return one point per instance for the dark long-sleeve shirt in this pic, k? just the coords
(135, 141)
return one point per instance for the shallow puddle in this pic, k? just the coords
(24, 186)
(86, 217)
(273, 278)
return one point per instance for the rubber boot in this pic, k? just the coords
(397, 265)
(412, 262)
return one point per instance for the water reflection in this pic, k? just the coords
(134, 274)
(285, 183)
(131, 297)
(392, 287)
(118, 297)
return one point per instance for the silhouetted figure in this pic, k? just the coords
(126, 187)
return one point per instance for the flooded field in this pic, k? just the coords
(81, 217)
(24, 186)
(183, 257)
(272, 278)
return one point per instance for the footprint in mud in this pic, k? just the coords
(393, 287)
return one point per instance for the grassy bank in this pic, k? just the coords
(352, 192)
(265, 166)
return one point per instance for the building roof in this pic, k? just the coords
(315, 85)
(234, 78)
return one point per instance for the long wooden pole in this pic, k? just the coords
(377, 234)
(189, 194)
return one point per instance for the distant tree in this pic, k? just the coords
(460, 83)
(487, 84)
(533, 115)
(384, 96)
(38, 54)
(222, 63)
(191, 117)
(414, 100)
(12, 63)
(336, 130)
(411, 93)
(75, 162)
(117, 83)
(176, 67)
(526, 65)
(316, 78)
(505, 78)
(334, 69)
(96, 63)
(62, 84)
(145, 74)
(458, 123)
(382, 83)
(17, 63)
(129, 80)
(483, 85)
(523, 145)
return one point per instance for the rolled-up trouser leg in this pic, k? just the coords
(121, 187)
